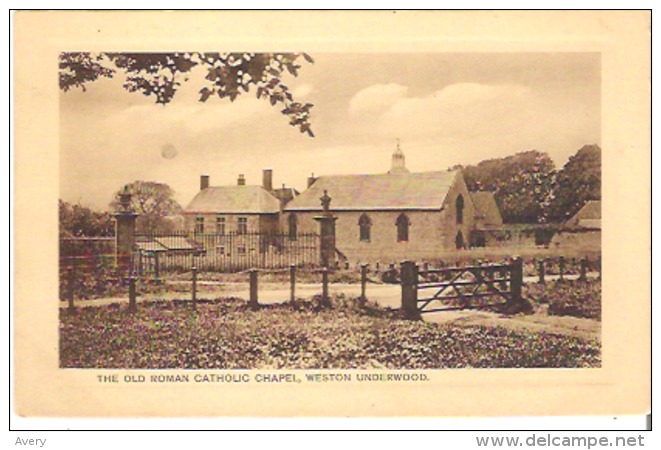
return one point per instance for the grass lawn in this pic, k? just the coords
(226, 334)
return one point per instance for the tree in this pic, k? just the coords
(80, 221)
(577, 182)
(523, 184)
(154, 202)
(228, 75)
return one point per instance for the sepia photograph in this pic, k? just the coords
(332, 214)
(329, 211)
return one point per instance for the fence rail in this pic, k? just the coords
(463, 284)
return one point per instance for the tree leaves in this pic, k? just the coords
(78, 220)
(228, 75)
(77, 69)
(577, 182)
(153, 202)
(522, 184)
(205, 93)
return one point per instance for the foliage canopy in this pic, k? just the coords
(153, 202)
(228, 75)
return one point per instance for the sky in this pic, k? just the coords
(445, 109)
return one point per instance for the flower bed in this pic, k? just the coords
(226, 334)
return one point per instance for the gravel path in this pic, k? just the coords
(385, 295)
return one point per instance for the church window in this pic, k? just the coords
(365, 225)
(460, 209)
(403, 223)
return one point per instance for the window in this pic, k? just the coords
(199, 225)
(460, 210)
(243, 226)
(220, 250)
(220, 226)
(403, 228)
(241, 250)
(293, 226)
(459, 240)
(365, 225)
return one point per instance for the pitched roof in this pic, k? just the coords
(233, 200)
(426, 190)
(593, 224)
(487, 208)
(164, 243)
(591, 210)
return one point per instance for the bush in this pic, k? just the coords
(568, 297)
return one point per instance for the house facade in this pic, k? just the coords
(583, 230)
(239, 209)
(488, 220)
(378, 217)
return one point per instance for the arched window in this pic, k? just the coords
(460, 209)
(365, 224)
(459, 240)
(293, 226)
(403, 223)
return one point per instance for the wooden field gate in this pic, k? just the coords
(457, 287)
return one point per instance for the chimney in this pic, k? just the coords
(242, 180)
(267, 179)
(204, 182)
(311, 180)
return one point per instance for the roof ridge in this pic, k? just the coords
(409, 174)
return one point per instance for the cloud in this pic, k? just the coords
(376, 99)
(462, 109)
(302, 91)
(195, 117)
(469, 122)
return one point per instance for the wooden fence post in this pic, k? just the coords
(194, 287)
(584, 269)
(409, 277)
(516, 280)
(562, 267)
(132, 300)
(363, 282)
(72, 284)
(541, 271)
(292, 281)
(253, 303)
(324, 286)
(156, 266)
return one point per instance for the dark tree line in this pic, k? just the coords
(153, 202)
(529, 189)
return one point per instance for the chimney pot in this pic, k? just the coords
(242, 180)
(311, 180)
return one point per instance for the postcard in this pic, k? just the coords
(338, 214)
